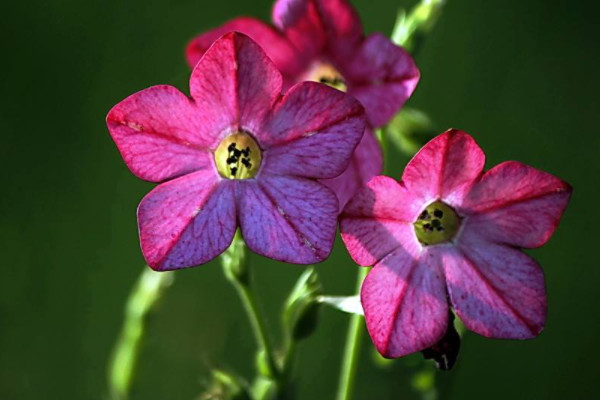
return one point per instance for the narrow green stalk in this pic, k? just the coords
(352, 349)
(237, 271)
(148, 290)
(257, 322)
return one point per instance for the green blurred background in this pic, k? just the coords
(521, 76)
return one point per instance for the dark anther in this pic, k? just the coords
(438, 213)
(427, 227)
(323, 80)
(246, 152)
(439, 228)
(231, 160)
(246, 163)
(231, 147)
(233, 170)
(436, 223)
(237, 152)
(424, 215)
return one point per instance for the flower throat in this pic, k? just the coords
(438, 223)
(238, 157)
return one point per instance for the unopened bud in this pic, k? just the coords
(301, 310)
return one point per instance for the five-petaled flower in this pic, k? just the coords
(237, 152)
(323, 41)
(450, 233)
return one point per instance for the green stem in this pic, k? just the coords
(237, 271)
(143, 297)
(352, 349)
(257, 322)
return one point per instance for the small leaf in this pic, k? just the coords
(410, 130)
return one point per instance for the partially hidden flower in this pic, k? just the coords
(323, 41)
(237, 153)
(449, 235)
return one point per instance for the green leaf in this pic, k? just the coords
(410, 130)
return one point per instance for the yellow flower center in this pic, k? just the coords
(238, 156)
(438, 223)
(327, 74)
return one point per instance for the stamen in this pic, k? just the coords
(238, 157)
(438, 223)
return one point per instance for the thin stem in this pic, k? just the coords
(352, 349)
(142, 299)
(237, 271)
(257, 321)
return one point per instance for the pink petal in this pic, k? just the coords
(445, 168)
(287, 219)
(187, 221)
(405, 305)
(382, 76)
(496, 290)
(237, 82)
(277, 47)
(366, 162)
(315, 26)
(160, 133)
(517, 205)
(312, 132)
(378, 220)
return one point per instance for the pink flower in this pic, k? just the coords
(323, 41)
(236, 153)
(450, 232)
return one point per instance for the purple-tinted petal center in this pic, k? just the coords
(437, 223)
(238, 156)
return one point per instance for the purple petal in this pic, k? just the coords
(496, 290)
(382, 76)
(445, 168)
(160, 133)
(287, 219)
(187, 221)
(517, 205)
(277, 47)
(378, 220)
(404, 299)
(237, 82)
(312, 132)
(317, 26)
(301, 23)
(366, 162)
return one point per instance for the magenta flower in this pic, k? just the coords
(236, 153)
(323, 41)
(450, 233)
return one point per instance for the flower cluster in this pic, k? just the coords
(323, 41)
(277, 140)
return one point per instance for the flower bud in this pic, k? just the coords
(445, 352)
(411, 29)
(300, 314)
